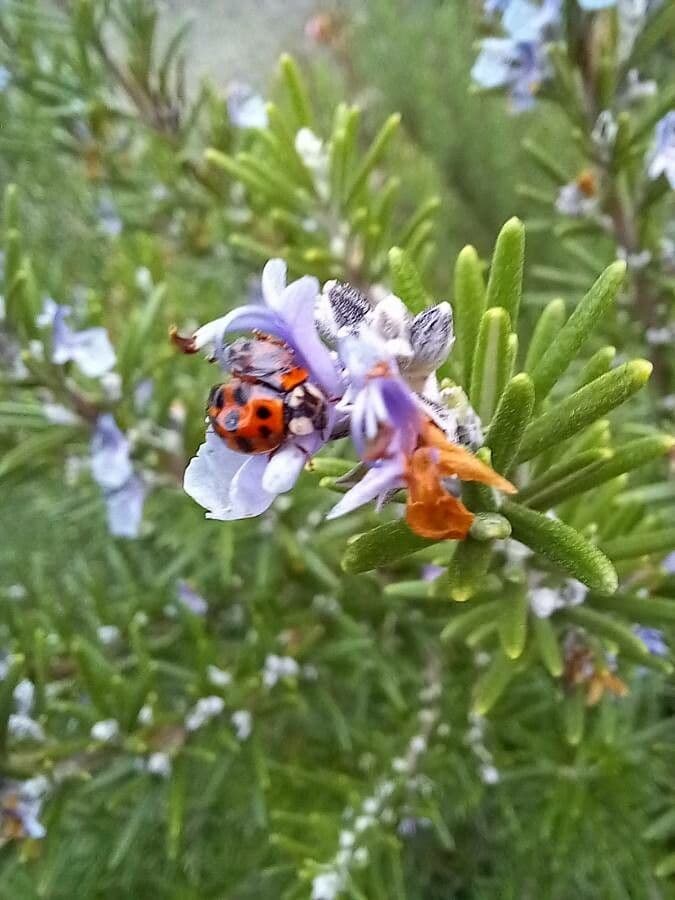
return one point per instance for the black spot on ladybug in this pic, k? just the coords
(240, 395)
(216, 397)
(263, 412)
(244, 444)
(231, 420)
(264, 431)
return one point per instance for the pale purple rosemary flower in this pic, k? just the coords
(20, 807)
(231, 485)
(90, 349)
(518, 61)
(245, 108)
(124, 491)
(191, 600)
(661, 158)
(385, 419)
(653, 639)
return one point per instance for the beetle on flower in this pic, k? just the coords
(379, 384)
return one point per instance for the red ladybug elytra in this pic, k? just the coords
(268, 397)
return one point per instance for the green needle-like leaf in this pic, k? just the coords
(574, 716)
(562, 545)
(661, 540)
(582, 408)
(548, 646)
(467, 568)
(509, 422)
(597, 365)
(559, 471)
(468, 307)
(577, 329)
(505, 285)
(382, 545)
(512, 622)
(406, 282)
(645, 610)
(468, 620)
(546, 330)
(491, 363)
(492, 683)
(624, 459)
(374, 154)
(297, 92)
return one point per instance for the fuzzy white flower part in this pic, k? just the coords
(242, 722)
(105, 731)
(203, 711)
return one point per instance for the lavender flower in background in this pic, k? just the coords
(21, 725)
(245, 108)
(90, 349)
(661, 157)
(544, 601)
(518, 61)
(653, 640)
(111, 466)
(20, 808)
(5, 78)
(277, 668)
(109, 220)
(577, 199)
(593, 5)
(191, 600)
(125, 508)
(519, 66)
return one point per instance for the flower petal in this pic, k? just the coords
(247, 494)
(92, 352)
(110, 462)
(296, 309)
(244, 318)
(273, 282)
(455, 460)
(283, 469)
(380, 479)
(492, 67)
(209, 475)
(124, 508)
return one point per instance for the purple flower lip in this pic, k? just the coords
(287, 314)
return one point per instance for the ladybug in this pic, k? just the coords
(268, 397)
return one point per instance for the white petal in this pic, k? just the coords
(211, 333)
(247, 495)
(273, 282)
(391, 319)
(92, 352)
(283, 469)
(209, 475)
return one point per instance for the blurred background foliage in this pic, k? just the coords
(365, 741)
